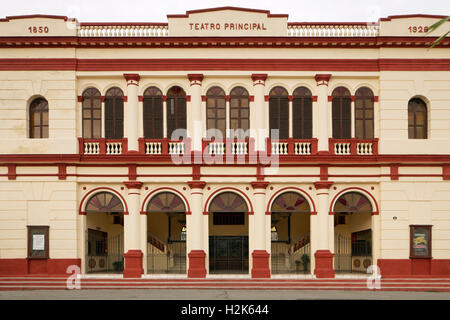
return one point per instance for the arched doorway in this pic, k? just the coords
(352, 233)
(166, 234)
(290, 234)
(104, 221)
(228, 234)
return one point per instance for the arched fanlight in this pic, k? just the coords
(166, 202)
(290, 202)
(228, 202)
(104, 202)
(352, 202)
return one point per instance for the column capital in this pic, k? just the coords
(132, 78)
(322, 79)
(259, 184)
(259, 78)
(133, 184)
(195, 78)
(323, 184)
(196, 184)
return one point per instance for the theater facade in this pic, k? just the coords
(225, 141)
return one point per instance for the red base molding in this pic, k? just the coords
(407, 268)
(197, 264)
(260, 267)
(324, 264)
(9, 267)
(133, 264)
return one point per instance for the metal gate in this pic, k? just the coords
(104, 254)
(228, 254)
(351, 255)
(291, 257)
(166, 258)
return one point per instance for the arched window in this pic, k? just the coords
(92, 114)
(176, 111)
(341, 113)
(290, 202)
(364, 113)
(39, 118)
(228, 208)
(166, 202)
(114, 114)
(302, 113)
(153, 113)
(215, 111)
(417, 119)
(279, 112)
(352, 202)
(239, 112)
(104, 202)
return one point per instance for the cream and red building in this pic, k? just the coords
(108, 161)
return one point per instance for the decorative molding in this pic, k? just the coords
(195, 78)
(259, 78)
(319, 185)
(132, 78)
(133, 184)
(196, 184)
(259, 184)
(322, 79)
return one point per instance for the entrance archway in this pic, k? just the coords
(166, 234)
(228, 234)
(352, 233)
(290, 234)
(104, 221)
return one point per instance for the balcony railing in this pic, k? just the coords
(102, 146)
(228, 146)
(298, 147)
(353, 147)
(163, 146)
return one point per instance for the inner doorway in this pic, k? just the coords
(290, 234)
(352, 233)
(104, 220)
(228, 234)
(166, 234)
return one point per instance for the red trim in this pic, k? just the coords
(409, 268)
(96, 190)
(446, 172)
(162, 189)
(141, 98)
(323, 172)
(196, 174)
(188, 98)
(12, 175)
(259, 185)
(324, 264)
(125, 98)
(196, 184)
(260, 268)
(394, 172)
(403, 16)
(132, 77)
(46, 267)
(267, 12)
(322, 78)
(195, 77)
(375, 99)
(197, 264)
(314, 98)
(80, 98)
(362, 191)
(32, 16)
(221, 190)
(330, 98)
(62, 171)
(133, 264)
(132, 172)
(133, 185)
(203, 98)
(319, 185)
(299, 190)
(227, 64)
(251, 98)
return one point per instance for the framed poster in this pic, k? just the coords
(38, 242)
(420, 241)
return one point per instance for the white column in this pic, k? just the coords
(291, 118)
(323, 255)
(195, 123)
(258, 113)
(132, 111)
(103, 116)
(260, 256)
(132, 232)
(324, 114)
(82, 232)
(352, 117)
(195, 234)
(227, 117)
(165, 118)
